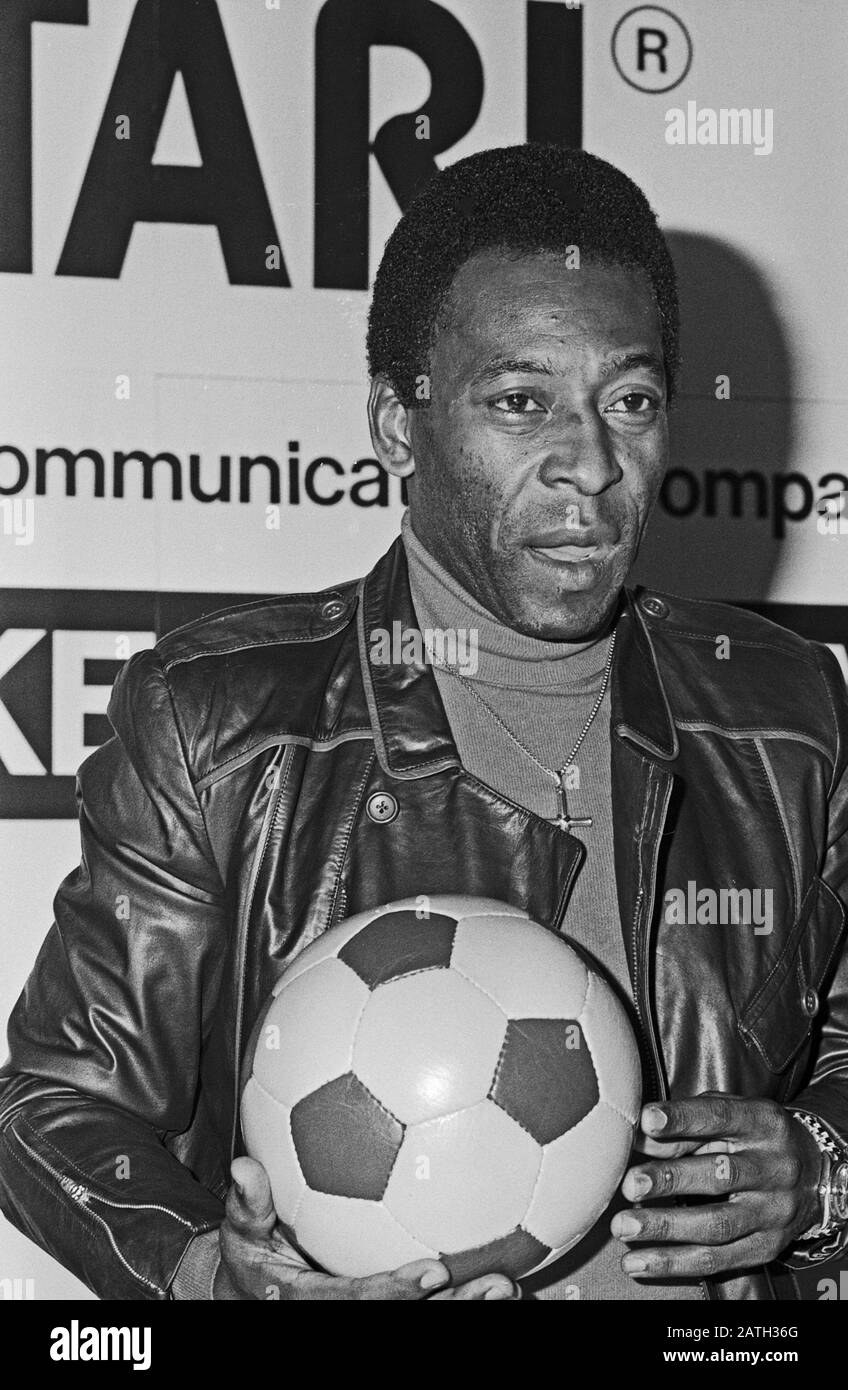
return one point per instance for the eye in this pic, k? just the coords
(517, 403)
(634, 403)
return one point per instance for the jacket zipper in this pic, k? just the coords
(83, 1196)
(642, 984)
(241, 950)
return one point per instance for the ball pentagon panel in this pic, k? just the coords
(515, 1254)
(346, 1142)
(327, 944)
(546, 1077)
(399, 943)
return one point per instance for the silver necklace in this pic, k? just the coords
(564, 820)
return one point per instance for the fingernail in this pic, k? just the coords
(639, 1184)
(497, 1292)
(655, 1119)
(432, 1279)
(625, 1225)
(633, 1264)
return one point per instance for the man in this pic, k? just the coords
(270, 775)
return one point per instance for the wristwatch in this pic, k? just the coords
(833, 1185)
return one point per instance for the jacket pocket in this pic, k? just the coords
(779, 1019)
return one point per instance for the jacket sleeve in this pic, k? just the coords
(826, 1094)
(105, 1040)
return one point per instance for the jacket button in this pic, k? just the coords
(654, 607)
(811, 1002)
(381, 807)
(332, 609)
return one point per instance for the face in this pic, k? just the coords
(535, 465)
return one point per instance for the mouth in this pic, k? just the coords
(576, 563)
(569, 554)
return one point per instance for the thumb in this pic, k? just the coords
(250, 1206)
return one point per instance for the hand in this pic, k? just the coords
(258, 1263)
(753, 1154)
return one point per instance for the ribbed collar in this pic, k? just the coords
(506, 658)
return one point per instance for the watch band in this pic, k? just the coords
(833, 1187)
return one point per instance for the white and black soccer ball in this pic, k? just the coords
(441, 1078)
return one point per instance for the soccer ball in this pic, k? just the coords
(441, 1078)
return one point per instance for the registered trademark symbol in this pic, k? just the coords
(651, 49)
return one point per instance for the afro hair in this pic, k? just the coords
(520, 198)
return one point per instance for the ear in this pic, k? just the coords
(389, 422)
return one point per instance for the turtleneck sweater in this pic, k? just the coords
(543, 692)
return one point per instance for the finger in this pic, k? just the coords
(403, 1285)
(702, 1261)
(702, 1174)
(416, 1280)
(707, 1116)
(250, 1206)
(487, 1287)
(654, 1148)
(412, 1281)
(714, 1223)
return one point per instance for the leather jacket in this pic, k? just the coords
(232, 818)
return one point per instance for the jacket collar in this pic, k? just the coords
(411, 731)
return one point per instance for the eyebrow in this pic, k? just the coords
(542, 366)
(500, 366)
(630, 360)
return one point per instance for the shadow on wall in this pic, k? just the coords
(730, 326)
(715, 535)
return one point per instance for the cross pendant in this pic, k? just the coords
(564, 820)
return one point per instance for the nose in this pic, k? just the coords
(580, 454)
